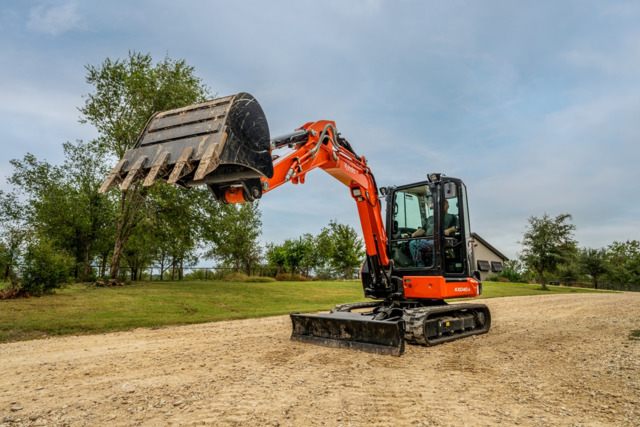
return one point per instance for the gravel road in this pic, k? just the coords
(548, 360)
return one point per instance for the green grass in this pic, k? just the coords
(635, 335)
(79, 309)
(497, 289)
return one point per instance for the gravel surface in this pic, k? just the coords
(547, 361)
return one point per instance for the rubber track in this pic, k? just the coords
(414, 319)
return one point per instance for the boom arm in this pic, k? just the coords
(318, 145)
(225, 144)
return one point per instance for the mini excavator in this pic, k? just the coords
(416, 257)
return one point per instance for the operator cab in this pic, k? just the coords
(429, 228)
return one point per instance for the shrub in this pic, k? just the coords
(234, 277)
(287, 278)
(123, 279)
(199, 274)
(11, 291)
(325, 274)
(44, 269)
(92, 277)
(260, 279)
(242, 277)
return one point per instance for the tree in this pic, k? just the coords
(43, 269)
(11, 240)
(232, 232)
(342, 246)
(141, 249)
(125, 95)
(310, 259)
(515, 271)
(85, 167)
(297, 251)
(277, 256)
(624, 263)
(61, 205)
(547, 242)
(594, 263)
(177, 218)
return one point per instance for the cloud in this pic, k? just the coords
(619, 60)
(55, 20)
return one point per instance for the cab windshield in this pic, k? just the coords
(413, 209)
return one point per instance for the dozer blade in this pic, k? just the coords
(214, 143)
(349, 330)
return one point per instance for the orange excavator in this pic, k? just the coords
(416, 257)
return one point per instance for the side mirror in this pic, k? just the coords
(450, 190)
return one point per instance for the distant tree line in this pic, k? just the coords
(55, 227)
(551, 254)
(336, 252)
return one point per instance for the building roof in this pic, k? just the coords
(477, 237)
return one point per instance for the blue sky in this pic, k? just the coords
(535, 105)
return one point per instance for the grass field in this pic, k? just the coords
(80, 309)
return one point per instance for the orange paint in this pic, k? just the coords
(234, 195)
(436, 287)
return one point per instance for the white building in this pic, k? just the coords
(489, 260)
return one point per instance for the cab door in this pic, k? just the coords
(456, 232)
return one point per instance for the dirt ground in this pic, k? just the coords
(548, 360)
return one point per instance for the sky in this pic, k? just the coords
(534, 105)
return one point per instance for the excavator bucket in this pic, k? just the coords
(216, 143)
(349, 330)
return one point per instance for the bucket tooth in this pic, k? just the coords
(114, 178)
(134, 174)
(159, 168)
(210, 160)
(183, 166)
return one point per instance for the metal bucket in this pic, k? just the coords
(215, 143)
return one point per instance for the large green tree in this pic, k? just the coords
(547, 242)
(61, 204)
(177, 217)
(277, 256)
(594, 263)
(231, 232)
(343, 248)
(624, 263)
(297, 253)
(125, 94)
